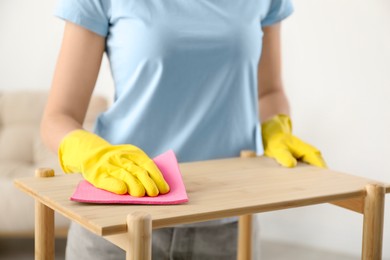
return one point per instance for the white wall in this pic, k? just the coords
(30, 37)
(337, 75)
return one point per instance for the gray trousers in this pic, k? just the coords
(178, 243)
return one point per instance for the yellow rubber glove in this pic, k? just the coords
(116, 168)
(285, 148)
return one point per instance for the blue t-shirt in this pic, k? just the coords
(185, 71)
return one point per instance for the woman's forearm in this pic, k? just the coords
(273, 103)
(74, 79)
(55, 127)
(272, 98)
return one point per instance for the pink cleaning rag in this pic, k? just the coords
(166, 162)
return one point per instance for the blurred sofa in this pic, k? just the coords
(21, 152)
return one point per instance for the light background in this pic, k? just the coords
(337, 77)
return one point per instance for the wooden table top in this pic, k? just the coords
(216, 189)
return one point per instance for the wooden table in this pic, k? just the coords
(216, 189)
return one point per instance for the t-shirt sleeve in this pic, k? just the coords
(90, 14)
(278, 10)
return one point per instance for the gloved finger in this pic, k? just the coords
(106, 182)
(135, 154)
(299, 148)
(283, 156)
(314, 158)
(144, 178)
(134, 186)
(306, 152)
(144, 162)
(157, 176)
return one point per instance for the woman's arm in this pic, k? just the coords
(279, 142)
(74, 79)
(120, 169)
(272, 98)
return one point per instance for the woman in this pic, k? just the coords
(197, 77)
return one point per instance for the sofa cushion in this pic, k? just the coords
(22, 151)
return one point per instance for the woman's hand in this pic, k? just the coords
(117, 168)
(285, 148)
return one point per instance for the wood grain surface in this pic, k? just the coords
(216, 189)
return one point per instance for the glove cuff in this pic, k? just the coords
(278, 124)
(73, 149)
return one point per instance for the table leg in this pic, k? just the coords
(44, 224)
(139, 228)
(244, 243)
(373, 222)
(244, 249)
